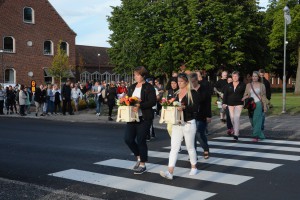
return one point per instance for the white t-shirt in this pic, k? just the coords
(137, 93)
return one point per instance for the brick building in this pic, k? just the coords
(30, 31)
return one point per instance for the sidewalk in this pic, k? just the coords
(276, 127)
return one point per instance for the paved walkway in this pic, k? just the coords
(281, 127)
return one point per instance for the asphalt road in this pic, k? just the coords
(41, 159)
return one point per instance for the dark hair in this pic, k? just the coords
(261, 71)
(141, 70)
(22, 87)
(173, 79)
(194, 76)
(184, 76)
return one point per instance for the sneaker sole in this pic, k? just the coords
(162, 175)
(139, 172)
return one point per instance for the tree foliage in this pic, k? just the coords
(160, 34)
(60, 67)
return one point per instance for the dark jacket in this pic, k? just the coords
(190, 111)
(220, 85)
(38, 95)
(268, 88)
(234, 98)
(204, 109)
(171, 94)
(148, 98)
(111, 95)
(66, 92)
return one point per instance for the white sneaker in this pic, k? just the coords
(193, 171)
(166, 175)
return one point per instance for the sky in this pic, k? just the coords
(88, 19)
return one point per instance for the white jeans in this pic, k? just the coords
(188, 131)
(235, 113)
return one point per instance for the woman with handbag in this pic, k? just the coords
(257, 91)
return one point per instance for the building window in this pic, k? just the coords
(47, 76)
(9, 44)
(65, 46)
(10, 76)
(28, 15)
(48, 47)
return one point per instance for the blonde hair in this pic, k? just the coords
(189, 87)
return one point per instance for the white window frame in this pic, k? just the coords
(51, 48)
(67, 47)
(14, 45)
(14, 74)
(33, 16)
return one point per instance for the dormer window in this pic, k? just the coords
(28, 15)
(9, 44)
(65, 46)
(48, 47)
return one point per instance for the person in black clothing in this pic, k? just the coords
(203, 114)
(66, 97)
(136, 132)
(174, 76)
(268, 94)
(189, 105)
(11, 100)
(38, 99)
(111, 94)
(220, 84)
(230, 130)
(233, 95)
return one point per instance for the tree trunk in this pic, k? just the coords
(297, 84)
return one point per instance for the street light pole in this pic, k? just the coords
(99, 65)
(287, 20)
(2, 64)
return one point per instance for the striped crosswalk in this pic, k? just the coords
(238, 158)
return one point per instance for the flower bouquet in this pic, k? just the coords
(125, 109)
(170, 114)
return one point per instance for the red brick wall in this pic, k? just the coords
(48, 26)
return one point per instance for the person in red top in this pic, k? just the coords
(122, 90)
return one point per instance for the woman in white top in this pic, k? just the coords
(257, 91)
(76, 94)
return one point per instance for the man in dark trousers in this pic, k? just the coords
(268, 93)
(66, 97)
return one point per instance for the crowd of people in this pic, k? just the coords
(194, 94)
(189, 88)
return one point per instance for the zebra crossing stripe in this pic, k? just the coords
(221, 161)
(217, 177)
(253, 154)
(132, 185)
(262, 141)
(256, 146)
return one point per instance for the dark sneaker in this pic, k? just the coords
(140, 170)
(235, 138)
(137, 164)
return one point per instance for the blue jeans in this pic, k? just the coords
(98, 105)
(200, 135)
(50, 106)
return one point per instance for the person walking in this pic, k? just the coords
(111, 95)
(203, 114)
(38, 99)
(57, 99)
(230, 130)
(97, 91)
(189, 106)
(172, 93)
(219, 87)
(256, 89)
(50, 99)
(135, 132)
(233, 98)
(268, 95)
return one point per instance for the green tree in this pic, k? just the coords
(205, 34)
(60, 67)
(275, 16)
